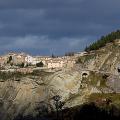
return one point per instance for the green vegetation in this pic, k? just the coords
(40, 64)
(114, 97)
(85, 58)
(69, 54)
(21, 65)
(53, 56)
(103, 41)
(79, 60)
(95, 77)
(10, 75)
(88, 57)
(39, 73)
(9, 59)
(17, 75)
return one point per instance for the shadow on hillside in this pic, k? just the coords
(85, 112)
(92, 112)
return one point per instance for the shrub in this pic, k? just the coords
(40, 64)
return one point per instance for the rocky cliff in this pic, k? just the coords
(32, 94)
(106, 59)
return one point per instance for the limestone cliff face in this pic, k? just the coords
(33, 94)
(19, 97)
(73, 89)
(65, 83)
(30, 94)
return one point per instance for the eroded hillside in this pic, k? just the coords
(106, 59)
(32, 94)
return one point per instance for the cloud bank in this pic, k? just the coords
(55, 26)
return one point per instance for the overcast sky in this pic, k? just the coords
(43, 27)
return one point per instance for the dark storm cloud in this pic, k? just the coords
(49, 25)
(35, 4)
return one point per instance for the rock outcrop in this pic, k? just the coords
(33, 94)
(106, 59)
(29, 93)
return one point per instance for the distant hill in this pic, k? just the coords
(103, 41)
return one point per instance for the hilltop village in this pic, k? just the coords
(22, 62)
(31, 85)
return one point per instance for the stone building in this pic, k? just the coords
(1, 61)
(18, 59)
(29, 59)
(55, 64)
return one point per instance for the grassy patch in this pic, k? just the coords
(95, 77)
(17, 75)
(10, 75)
(40, 73)
(114, 97)
(85, 58)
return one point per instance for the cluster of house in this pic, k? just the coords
(48, 62)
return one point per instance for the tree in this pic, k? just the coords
(22, 65)
(11, 64)
(40, 64)
(9, 59)
(58, 104)
(69, 54)
(104, 40)
(79, 60)
(53, 56)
